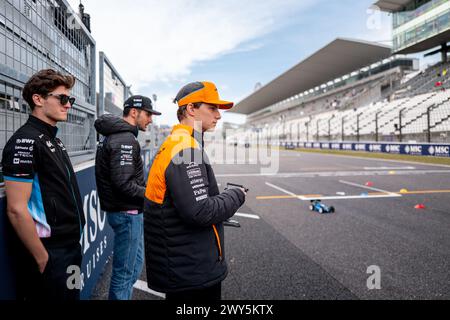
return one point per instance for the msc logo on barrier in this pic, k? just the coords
(347, 146)
(442, 150)
(393, 148)
(375, 147)
(417, 150)
(439, 151)
(93, 246)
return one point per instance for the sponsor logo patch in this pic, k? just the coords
(50, 146)
(201, 197)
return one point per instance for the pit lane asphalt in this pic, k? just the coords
(293, 253)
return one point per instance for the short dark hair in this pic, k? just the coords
(44, 82)
(126, 111)
(181, 113)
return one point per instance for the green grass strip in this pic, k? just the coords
(401, 157)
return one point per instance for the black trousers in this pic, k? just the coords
(52, 285)
(210, 294)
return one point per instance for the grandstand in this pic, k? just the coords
(426, 81)
(353, 90)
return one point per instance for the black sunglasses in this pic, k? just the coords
(63, 98)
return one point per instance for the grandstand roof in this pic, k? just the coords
(426, 44)
(338, 58)
(392, 5)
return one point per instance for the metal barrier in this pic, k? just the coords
(97, 240)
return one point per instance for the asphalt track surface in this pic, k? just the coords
(285, 251)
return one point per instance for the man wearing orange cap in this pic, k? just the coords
(184, 210)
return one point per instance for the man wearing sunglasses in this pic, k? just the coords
(43, 200)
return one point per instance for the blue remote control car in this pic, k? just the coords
(317, 205)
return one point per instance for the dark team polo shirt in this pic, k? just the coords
(35, 155)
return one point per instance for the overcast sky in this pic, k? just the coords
(158, 46)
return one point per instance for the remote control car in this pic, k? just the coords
(317, 205)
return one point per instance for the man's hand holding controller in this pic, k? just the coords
(229, 222)
(236, 186)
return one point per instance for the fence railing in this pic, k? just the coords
(422, 32)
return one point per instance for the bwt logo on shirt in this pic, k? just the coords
(28, 141)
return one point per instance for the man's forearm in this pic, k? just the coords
(25, 228)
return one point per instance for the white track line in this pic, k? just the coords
(333, 174)
(387, 195)
(374, 159)
(369, 188)
(352, 197)
(227, 175)
(285, 191)
(389, 168)
(246, 215)
(142, 285)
